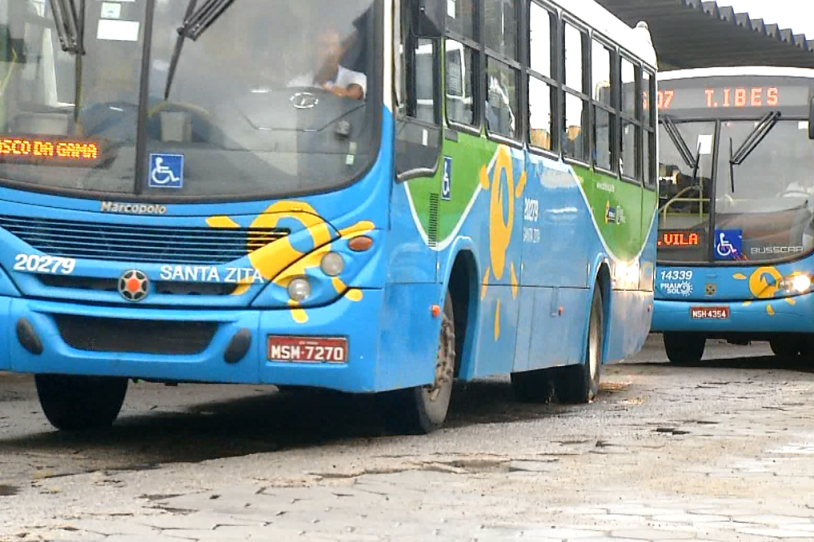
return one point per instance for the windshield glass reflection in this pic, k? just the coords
(771, 204)
(270, 98)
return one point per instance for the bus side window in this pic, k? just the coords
(576, 95)
(630, 156)
(542, 84)
(421, 83)
(418, 131)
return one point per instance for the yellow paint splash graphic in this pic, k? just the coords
(764, 283)
(279, 262)
(484, 178)
(357, 230)
(501, 221)
(338, 285)
(222, 222)
(514, 281)
(354, 295)
(299, 315)
(521, 186)
(497, 320)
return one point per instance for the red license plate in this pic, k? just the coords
(308, 349)
(709, 313)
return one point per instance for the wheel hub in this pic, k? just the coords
(445, 362)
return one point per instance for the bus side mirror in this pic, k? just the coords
(811, 118)
(431, 18)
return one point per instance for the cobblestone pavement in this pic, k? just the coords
(722, 451)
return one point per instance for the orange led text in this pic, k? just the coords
(743, 97)
(679, 239)
(39, 148)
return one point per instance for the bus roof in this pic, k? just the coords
(637, 41)
(768, 71)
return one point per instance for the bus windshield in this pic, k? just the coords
(768, 197)
(268, 98)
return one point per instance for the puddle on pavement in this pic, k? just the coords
(672, 431)
(7, 490)
(795, 449)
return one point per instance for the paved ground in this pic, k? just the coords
(721, 452)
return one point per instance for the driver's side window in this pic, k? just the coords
(418, 138)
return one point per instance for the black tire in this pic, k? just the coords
(807, 346)
(533, 386)
(580, 383)
(423, 409)
(787, 347)
(684, 347)
(75, 403)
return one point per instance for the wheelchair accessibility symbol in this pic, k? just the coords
(166, 170)
(728, 244)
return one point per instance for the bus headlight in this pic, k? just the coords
(332, 264)
(299, 289)
(798, 284)
(801, 283)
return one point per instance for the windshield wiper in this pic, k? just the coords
(196, 22)
(756, 137)
(70, 25)
(681, 146)
(693, 161)
(766, 124)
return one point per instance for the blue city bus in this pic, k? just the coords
(369, 196)
(736, 215)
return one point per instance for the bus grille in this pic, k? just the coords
(135, 336)
(138, 243)
(158, 287)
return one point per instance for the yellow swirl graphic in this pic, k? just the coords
(280, 262)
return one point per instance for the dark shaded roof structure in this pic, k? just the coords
(699, 34)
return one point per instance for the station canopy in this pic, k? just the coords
(698, 34)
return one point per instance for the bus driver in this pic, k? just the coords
(332, 76)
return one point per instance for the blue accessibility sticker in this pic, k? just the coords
(446, 183)
(729, 245)
(166, 171)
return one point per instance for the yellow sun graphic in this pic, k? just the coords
(501, 222)
(764, 283)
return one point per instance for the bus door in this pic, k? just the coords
(685, 189)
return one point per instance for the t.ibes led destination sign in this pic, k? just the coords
(50, 151)
(740, 93)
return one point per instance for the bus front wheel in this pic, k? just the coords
(787, 347)
(684, 347)
(423, 409)
(580, 383)
(74, 403)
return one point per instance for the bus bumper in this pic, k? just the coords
(100, 341)
(758, 316)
